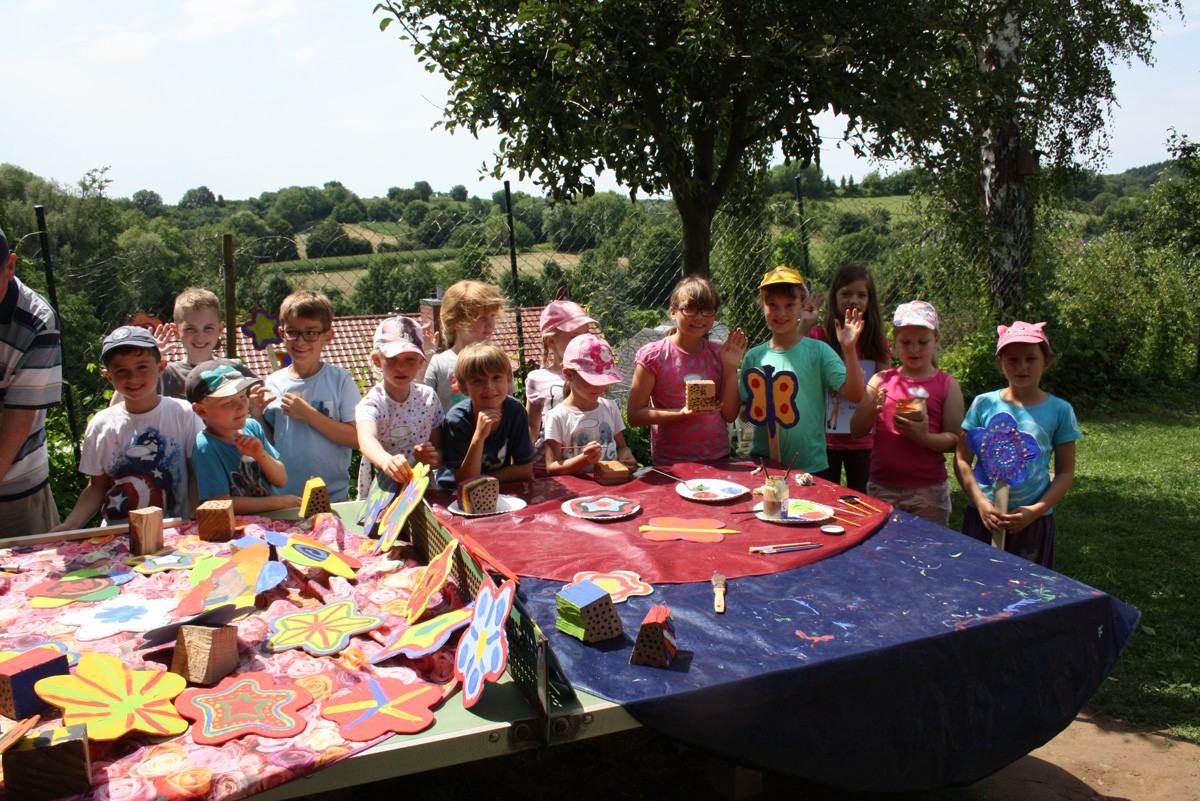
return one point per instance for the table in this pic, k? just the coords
(918, 659)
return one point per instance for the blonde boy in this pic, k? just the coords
(307, 408)
(489, 431)
(138, 452)
(469, 310)
(198, 324)
(232, 457)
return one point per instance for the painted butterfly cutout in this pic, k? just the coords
(771, 397)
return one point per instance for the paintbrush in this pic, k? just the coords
(718, 583)
(769, 550)
(790, 466)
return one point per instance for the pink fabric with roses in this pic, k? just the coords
(139, 768)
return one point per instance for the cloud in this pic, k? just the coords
(207, 19)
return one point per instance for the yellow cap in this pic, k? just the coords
(781, 275)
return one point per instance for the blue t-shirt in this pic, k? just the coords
(508, 444)
(221, 469)
(304, 451)
(1052, 422)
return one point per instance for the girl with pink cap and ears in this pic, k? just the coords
(1023, 354)
(561, 322)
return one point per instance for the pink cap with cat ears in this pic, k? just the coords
(1020, 331)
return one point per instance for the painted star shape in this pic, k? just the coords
(263, 329)
(320, 632)
(247, 703)
(604, 503)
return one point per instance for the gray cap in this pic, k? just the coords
(127, 336)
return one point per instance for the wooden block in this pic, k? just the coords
(586, 612)
(315, 498)
(701, 395)
(216, 520)
(205, 654)
(910, 408)
(19, 673)
(145, 531)
(49, 765)
(655, 644)
(609, 473)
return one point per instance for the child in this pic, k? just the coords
(1023, 353)
(852, 288)
(307, 408)
(400, 419)
(657, 396)
(198, 323)
(908, 467)
(232, 456)
(137, 453)
(561, 322)
(784, 298)
(489, 431)
(586, 427)
(469, 310)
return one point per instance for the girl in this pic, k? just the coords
(585, 427)
(469, 310)
(1023, 354)
(657, 397)
(908, 466)
(399, 421)
(561, 322)
(852, 288)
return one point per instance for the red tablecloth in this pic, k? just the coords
(545, 542)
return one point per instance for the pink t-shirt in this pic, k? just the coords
(896, 460)
(838, 407)
(704, 436)
(543, 387)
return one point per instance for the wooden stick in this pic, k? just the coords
(18, 731)
(851, 510)
(691, 530)
(869, 506)
(79, 533)
(999, 538)
(847, 522)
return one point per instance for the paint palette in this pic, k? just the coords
(710, 490)
(798, 512)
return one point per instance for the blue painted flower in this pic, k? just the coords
(483, 650)
(1005, 452)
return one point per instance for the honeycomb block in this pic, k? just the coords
(655, 644)
(19, 672)
(702, 395)
(479, 495)
(49, 765)
(315, 498)
(586, 612)
(609, 473)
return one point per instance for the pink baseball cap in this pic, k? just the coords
(1020, 331)
(563, 315)
(916, 312)
(592, 358)
(397, 335)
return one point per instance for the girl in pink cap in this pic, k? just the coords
(561, 322)
(1023, 354)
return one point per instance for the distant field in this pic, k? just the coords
(897, 205)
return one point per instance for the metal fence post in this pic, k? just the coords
(522, 369)
(44, 240)
(803, 225)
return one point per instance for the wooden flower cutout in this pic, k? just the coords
(248, 703)
(380, 706)
(322, 631)
(482, 652)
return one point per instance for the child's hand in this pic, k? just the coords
(260, 399)
(289, 501)
(432, 337)
(592, 452)
(916, 430)
(296, 407)
(733, 350)
(880, 398)
(397, 469)
(993, 521)
(486, 422)
(426, 453)
(626, 457)
(249, 445)
(848, 333)
(810, 315)
(1019, 518)
(164, 334)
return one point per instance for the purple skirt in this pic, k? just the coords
(1035, 542)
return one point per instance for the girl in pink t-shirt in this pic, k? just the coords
(908, 463)
(657, 396)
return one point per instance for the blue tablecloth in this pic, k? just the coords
(919, 659)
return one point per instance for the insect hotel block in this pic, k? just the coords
(145, 531)
(205, 654)
(479, 495)
(215, 519)
(20, 672)
(655, 644)
(702, 395)
(608, 473)
(586, 612)
(315, 498)
(49, 765)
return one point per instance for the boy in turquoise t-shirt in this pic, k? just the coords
(783, 296)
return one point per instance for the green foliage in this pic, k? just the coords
(328, 238)
(394, 285)
(198, 198)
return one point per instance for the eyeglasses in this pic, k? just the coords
(689, 311)
(291, 334)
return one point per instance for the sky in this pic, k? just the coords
(246, 97)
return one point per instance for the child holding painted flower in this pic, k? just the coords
(1023, 354)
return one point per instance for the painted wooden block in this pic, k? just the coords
(701, 395)
(145, 531)
(215, 519)
(19, 672)
(479, 495)
(586, 612)
(315, 498)
(655, 644)
(609, 473)
(205, 654)
(49, 765)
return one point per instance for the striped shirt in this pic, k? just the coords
(30, 378)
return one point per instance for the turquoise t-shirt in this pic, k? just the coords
(818, 370)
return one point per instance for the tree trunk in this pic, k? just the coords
(696, 219)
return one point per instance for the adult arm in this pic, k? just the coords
(15, 426)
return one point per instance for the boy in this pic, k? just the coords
(489, 431)
(307, 408)
(232, 457)
(818, 368)
(198, 323)
(137, 453)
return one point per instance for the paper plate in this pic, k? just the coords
(506, 503)
(710, 490)
(803, 513)
(601, 507)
